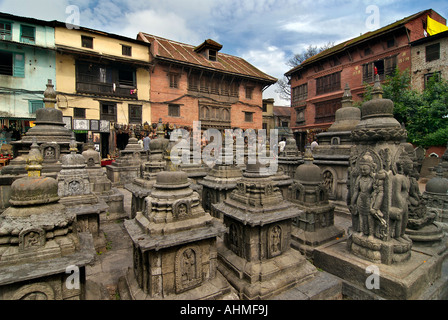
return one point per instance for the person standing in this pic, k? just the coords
(146, 141)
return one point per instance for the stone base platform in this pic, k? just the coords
(266, 279)
(306, 242)
(214, 289)
(409, 280)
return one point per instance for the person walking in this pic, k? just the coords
(146, 141)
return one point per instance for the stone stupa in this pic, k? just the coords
(39, 241)
(174, 245)
(256, 256)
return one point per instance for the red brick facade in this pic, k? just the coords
(201, 84)
(318, 83)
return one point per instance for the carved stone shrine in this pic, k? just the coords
(332, 154)
(74, 190)
(40, 246)
(379, 197)
(315, 225)
(256, 256)
(218, 184)
(174, 243)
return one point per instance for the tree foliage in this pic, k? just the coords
(425, 114)
(283, 87)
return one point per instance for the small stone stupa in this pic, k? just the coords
(39, 241)
(256, 256)
(127, 167)
(436, 198)
(290, 158)
(101, 186)
(332, 154)
(218, 184)
(315, 225)
(76, 194)
(174, 243)
(141, 186)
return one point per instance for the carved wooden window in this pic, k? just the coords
(174, 110)
(126, 50)
(249, 92)
(108, 111)
(135, 114)
(329, 83)
(299, 93)
(174, 80)
(248, 116)
(383, 67)
(325, 111)
(300, 116)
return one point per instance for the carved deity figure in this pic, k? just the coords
(276, 234)
(189, 266)
(400, 195)
(362, 195)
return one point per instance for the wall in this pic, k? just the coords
(420, 67)
(39, 67)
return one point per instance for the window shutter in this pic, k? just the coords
(19, 65)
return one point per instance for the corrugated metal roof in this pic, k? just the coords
(166, 49)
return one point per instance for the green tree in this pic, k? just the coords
(425, 115)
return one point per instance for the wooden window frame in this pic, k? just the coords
(172, 112)
(85, 42)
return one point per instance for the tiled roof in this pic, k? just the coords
(368, 35)
(169, 50)
(282, 111)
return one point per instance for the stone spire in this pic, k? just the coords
(50, 95)
(34, 161)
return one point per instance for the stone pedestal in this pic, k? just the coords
(290, 158)
(410, 280)
(256, 257)
(174, 245)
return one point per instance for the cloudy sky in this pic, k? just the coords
(264, 32)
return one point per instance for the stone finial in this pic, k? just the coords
(377, 92)
(49, 95)
(34, 160)
(308, 156)
(160, 131)
(347, 97)
(73, 145)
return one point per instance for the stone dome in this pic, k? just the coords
(308, 172)
(31, 191)
(172, 180)
(73, 160)
(438, 184)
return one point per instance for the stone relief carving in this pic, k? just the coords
(31, 238)
(181, 209)
(275, 241)
(188, 268)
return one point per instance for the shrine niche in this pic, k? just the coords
(188, 269)
(31, 238)
(275, 241)
(50, 151)
(181, 209)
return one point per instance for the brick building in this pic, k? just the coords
(429, 58)
(317, 84)
(191, 83)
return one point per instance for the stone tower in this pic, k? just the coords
(174, 245)
(256, 256)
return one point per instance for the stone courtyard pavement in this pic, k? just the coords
(111, 264)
